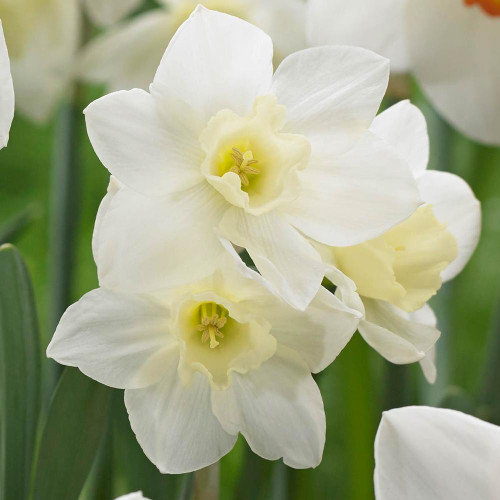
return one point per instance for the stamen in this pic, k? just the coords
(211, 325)
(243, 165)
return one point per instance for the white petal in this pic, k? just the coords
(282, 255)
(404, 127)
(455, 55)
(174, 424)
(424, 453)
(128, 55)
(145, 244)
(278, 409)
(393, 334)
(377, 26)
(318, 334)
(426, 316)
(133, 496)
(356, 196)
(6, 92)
(106, 12)
(44, 71)
(216, 61)
(117, 339)
(331, 94)
(455, 205)
(140, 146)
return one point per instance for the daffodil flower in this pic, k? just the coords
(398, 272)
(423, 452)
(42, 38)
(6, 92)
(108, 12)
(451, 46)
(220, 146)
(204, 362)
(128, 55)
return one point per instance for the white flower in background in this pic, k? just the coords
(108, 12)
(432, 453)
(222, 146)
(451, 46)
(6, 92)
(128, 55)
(397, 273)
(133, 496)
(42, 37)
(204, 362)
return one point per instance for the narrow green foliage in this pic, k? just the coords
(19, 375)
(75, 426)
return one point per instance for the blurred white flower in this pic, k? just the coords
(127, 56)
(431, 453)
(222, 146)
(108, 12)
(6, 92)
(451, 46)
(42, 37)
(133, 496)
(398, 272)
(201, 363)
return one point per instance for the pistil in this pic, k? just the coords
(243, 165)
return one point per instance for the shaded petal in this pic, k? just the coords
(426, 316)
(174, 424)
(216, 61)
(455, 205)
(117, 339)
(423, 452)
(351, 198)
(139, 146)
(362, 23)
(145, 244)
(393, 334)
(6, 92)
(282, 255)
(128, 55)
(404, 127)
(278, 409)
(455, 55)
(133, 496)
(106, 12)
(331, 94)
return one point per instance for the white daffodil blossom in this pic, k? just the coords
(42, 37)
(451, 46)
(423, 452)
(207, 361)
(6, 92)
(133, 496)
(108, 12)
(398, 272)
(220, 145)
(128, 55)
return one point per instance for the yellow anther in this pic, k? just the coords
(243, 165)
(211, 326)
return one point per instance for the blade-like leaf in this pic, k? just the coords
(77, 420)
(14, 227)
(19, 375)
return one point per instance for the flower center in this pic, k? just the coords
(243, 165)
(491, 7)
(213, 319)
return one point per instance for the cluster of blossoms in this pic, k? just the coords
(296, 169)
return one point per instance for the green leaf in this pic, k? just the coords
(16, 225)
(76, 423)
(19, 375)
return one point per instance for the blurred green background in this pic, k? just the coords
(356, 388)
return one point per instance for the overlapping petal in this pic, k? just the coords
(118, 339)
(175, 425)
(6, 92)
(331, 94)
(423, 452)
(200, 66)
(278, 409)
